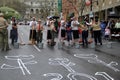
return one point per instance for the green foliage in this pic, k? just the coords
(9, 12)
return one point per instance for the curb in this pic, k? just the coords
(96, 49)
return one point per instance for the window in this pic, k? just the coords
(32, 10)
(37, 11)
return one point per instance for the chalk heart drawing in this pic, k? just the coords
(22, 65)
(92, 58)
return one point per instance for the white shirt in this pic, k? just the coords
(33, 24)
(74, 25)
(62, 23)
(48, 24)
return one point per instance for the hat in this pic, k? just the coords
(1, 14)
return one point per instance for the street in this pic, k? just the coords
(50, 63)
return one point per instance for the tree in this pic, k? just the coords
(15, 4)
(46, 8)
(9, 12)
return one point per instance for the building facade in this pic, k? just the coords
(41, 8)
(100, 8)
(103, 8)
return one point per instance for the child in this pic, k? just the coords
(107, 33)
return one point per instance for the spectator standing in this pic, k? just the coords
(117, 26)
(107, 33)
(14, 34)
(3, 33)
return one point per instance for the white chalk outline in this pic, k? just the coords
(19, 57)
(10, 67)
(105, 75)
(95, 59)
(71, 76)
(62, 61)
(20, 63)
(57, 75)
(67, 64)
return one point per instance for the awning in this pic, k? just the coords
(114, 16)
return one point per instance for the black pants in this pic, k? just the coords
(97, 36)
(39, 36)
(84, 37)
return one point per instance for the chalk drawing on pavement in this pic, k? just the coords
(71, 76)
(56, 75)
(92, 58)
(22, 65)
(105, 75)
(68, 65)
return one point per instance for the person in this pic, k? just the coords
(117, 26)
(97, 31)
(107, 33)
(4, 33)
(62, 31)
(49, 36)
(14, 34)
(52, 31)
(84, 35)
(69, 31)
(103, 26)
(33, 25)
(39, 31)
(56, 23)
(74, 25)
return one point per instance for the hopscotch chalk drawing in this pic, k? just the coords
(19, 60)
(71, 76)
(92, 58)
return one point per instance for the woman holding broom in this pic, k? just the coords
(33, 26)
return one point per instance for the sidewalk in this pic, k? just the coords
(112, 50)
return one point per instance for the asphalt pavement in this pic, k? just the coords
(50, 63)
(110, 47)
